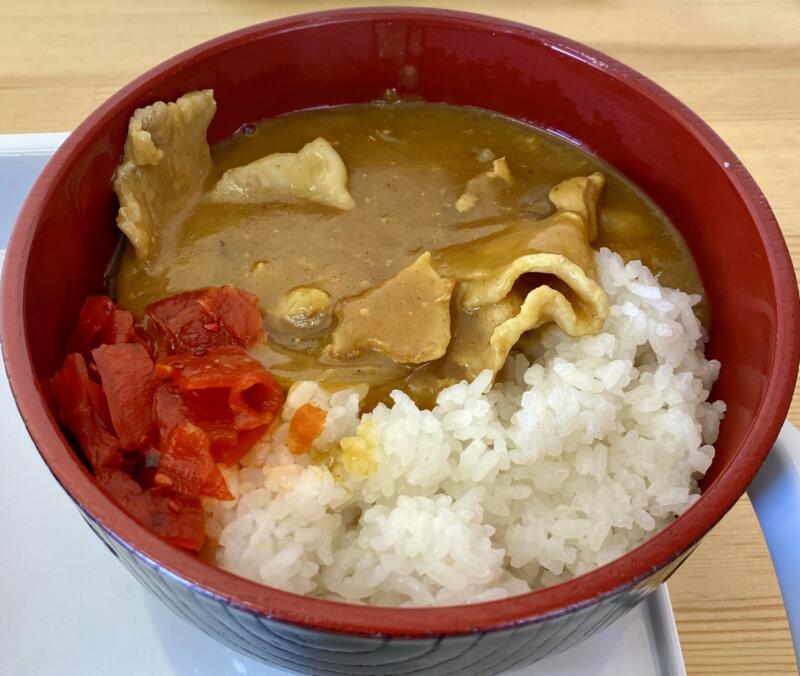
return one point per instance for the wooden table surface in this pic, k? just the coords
(736, 63)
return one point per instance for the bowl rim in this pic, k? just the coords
(627, 571)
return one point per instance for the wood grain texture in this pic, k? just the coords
(735, 62)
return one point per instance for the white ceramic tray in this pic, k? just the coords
(68, 608)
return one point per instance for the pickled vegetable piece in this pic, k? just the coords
(230, 454)
(101, 322)
(187, 465)
(197, 321)
(120, 328)
(74, 392)
(154, 431)
(254, 396)
(208, 409)
(128, 377)
(237, 312)
(173, 516)
(96, 311)
(306, 425)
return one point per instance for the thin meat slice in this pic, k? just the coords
(407, 317)
(316, 173)
(165, 160)
(580, 195)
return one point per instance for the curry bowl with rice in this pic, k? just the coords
(393, 346)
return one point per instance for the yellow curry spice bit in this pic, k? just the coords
(351, 456)
(358, 452)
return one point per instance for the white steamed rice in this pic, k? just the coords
(579, 456)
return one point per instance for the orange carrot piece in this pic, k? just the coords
(306, 425)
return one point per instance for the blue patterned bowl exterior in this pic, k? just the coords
(309, 651)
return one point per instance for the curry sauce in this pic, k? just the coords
(423, 178)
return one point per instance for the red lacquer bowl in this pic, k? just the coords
(65, 236)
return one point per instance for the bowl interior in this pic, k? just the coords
(521, 72)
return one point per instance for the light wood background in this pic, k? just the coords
(735, 62)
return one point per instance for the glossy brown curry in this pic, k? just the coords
(409, 166)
